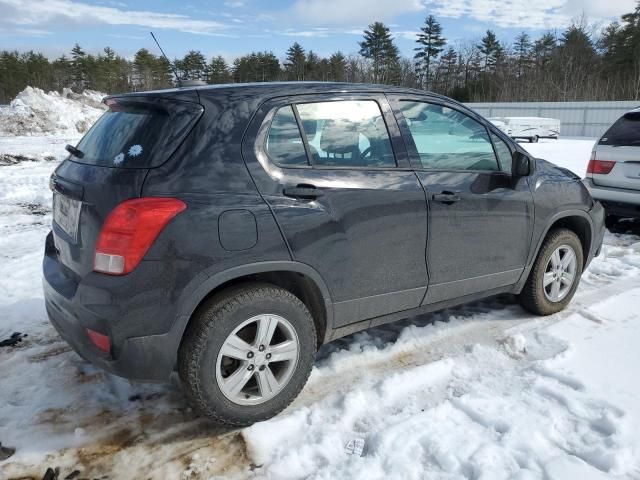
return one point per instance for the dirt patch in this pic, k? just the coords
(35, 208)
(9, 159)
(41, 357)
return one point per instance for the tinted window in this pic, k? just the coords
(347, 134)
(447, 139)
(504, 153)
(284, 142)
(625, 132)
(137, 134)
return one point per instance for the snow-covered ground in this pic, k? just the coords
(480, 391)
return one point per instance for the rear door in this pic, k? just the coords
(345, 198)
(109, 166)
(621, 144)
(480, 217)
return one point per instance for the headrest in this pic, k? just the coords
(339, 136)
(310, 127)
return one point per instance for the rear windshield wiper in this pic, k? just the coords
(74, 151)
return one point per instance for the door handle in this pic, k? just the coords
(448, 198)
(306, 192)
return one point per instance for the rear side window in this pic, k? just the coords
(447, 139)
(349, 133)
(137, 133)
(625, 132)
(284, 142)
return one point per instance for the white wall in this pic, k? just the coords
(577, 119)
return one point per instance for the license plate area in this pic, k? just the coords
(66, 214)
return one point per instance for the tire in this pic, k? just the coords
(535, 139)
(201, 364)
(537, 298)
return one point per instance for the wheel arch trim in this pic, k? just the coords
(192, 300)
(552, 220)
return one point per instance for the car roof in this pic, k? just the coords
(274, 89)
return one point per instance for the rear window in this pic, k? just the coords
(625, 132)
(137, 133)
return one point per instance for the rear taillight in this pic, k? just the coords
(600, 167)
(129, 231)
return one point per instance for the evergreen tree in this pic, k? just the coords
(378, 47)
(522, 47)
(79, 67)
(219, 71)
(193, 66)
(490, 49)
(337, 67)
(295, 62)
(431, 45)
(312, 67)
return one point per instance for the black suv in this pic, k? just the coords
(227, 232)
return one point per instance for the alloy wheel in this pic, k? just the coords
(257, 360)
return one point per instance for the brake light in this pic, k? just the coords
(99, 340)
(600, 167)
(129, 231)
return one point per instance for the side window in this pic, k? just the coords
(504, 153)
(447, 139)
(346, 134)
(284, 142)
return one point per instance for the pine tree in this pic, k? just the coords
(522, 47)
(312, 67)
(295, 62)
(79, 67)
(543, 49)
(490, 49)
(193, 66)
(337, 67)
(219, 71)
(431, 45)
(378, 47)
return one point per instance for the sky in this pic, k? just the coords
(235, 27)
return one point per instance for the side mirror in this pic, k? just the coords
(521, 164)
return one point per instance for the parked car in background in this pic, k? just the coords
(226, 232)
(613, 173)
(529, 128)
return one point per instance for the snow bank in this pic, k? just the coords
(34, 112)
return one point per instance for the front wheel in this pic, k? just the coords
(555, 275)
(247, 354)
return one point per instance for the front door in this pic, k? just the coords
(480, 217)
(346, 199)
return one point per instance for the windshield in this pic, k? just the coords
(137, 133)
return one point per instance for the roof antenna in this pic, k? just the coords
(173, 67)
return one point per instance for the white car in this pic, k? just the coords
(613, 174)
(528, 128)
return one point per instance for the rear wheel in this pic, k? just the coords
(535, 139)
(555, 275)
(247, 354)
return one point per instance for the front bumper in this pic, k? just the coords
(140, 349)
(616, 201)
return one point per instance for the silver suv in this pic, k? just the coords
(613, 174)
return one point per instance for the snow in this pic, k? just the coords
(34, 112)
(571, 153)
(483, 391)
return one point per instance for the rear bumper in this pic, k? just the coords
(73, 306)
(616, 201)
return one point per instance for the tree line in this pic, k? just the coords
(580, 63)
